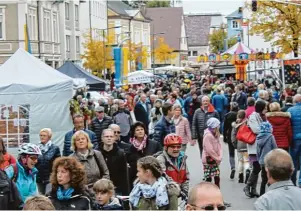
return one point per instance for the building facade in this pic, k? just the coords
(133, 25)
(234, 23)
(169, 24)
(42, 18)
(198, 28)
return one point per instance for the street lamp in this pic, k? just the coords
(153, 52)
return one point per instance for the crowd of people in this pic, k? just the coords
(134, 144)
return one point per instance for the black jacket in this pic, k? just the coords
(97, 127)
(152, 147)
(286, 107)
(229, 118)
(117, 165)
(78, 201)
(125, 146)
(141, 114)
(45, 162)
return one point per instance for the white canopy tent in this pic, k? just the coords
(33, 96)
(139, 77)
(166, 69)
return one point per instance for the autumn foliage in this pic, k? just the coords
(98, 54)
(164, 52)
(279, 23)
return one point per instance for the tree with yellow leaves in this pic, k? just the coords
(98, 54)
(163, 52)
(279, 23)
(137, 53)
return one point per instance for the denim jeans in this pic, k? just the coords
(295, 152)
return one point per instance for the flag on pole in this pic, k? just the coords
(26, 35)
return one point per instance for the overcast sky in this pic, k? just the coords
(208, 6)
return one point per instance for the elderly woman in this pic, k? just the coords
(182, 127)
(68, 181)
(281, 122)
(49, 153)
(141, 146)
(93, 161)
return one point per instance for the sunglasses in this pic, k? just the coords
(211, 207)
(117, 132)
(175, 147)
(33, 158)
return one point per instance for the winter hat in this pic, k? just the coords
(266, 127)
(213, 123)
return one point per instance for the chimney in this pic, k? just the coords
(142, 8)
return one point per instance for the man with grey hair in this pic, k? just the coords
(141, 110)
(121, 144)
(200, 118)
(116, 161)
(295, 149)
(122, 117)
(282, 194)
(205, 196)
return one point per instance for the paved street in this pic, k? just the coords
(232, 190)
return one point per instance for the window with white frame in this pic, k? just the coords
(68, 40)
(195, 53)
(2, 23)
(234, 25)
(77, 44)
(46, 26)
(76, 13)
(67, 11)
(32, 23)
(55, 28)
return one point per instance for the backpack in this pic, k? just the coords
(9, 195)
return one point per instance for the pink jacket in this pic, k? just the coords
(211, 147)
(183, 130)
(249, 111)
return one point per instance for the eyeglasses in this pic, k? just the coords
(117, 132)
(175, 146)
(210, 207)
(33, 157)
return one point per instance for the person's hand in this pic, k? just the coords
(193, 142)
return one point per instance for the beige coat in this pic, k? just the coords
(93, 172)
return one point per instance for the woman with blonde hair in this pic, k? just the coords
(93, 161)
(281, 123)
(182, 127)
(68, 179)
(49, 153)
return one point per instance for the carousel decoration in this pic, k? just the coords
(240, 55)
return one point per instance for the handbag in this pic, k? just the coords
(246, 135)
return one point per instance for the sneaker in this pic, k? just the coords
(247, 191)
(232, 174)
(254, 193)
(241, 178)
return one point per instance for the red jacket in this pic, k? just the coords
(282, 129)
(7, 160)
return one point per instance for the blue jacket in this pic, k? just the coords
(219, 102)
(295, 112)
(26, 183)
(265, 142)
(162, 129)
(45, 162)
(187, 102)
(67, 142)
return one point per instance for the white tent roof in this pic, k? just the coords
(141, 73)
(24, 69)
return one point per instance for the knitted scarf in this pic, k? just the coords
(139, 145)
(62, 194)
(45, 147)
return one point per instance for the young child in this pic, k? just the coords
(104, 193)
(152, 191)
(265, 142)
(212, 151)
(242, 152)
